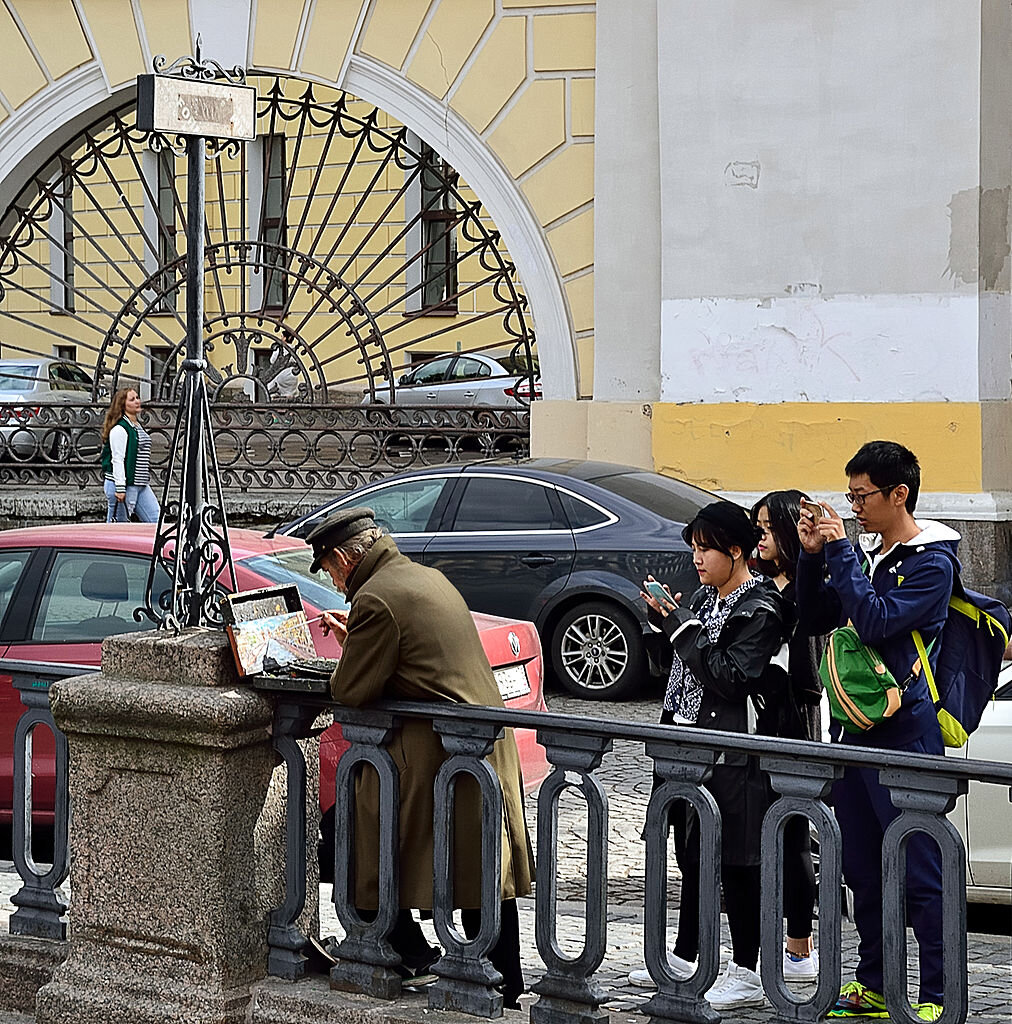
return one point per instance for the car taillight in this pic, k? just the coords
(522, 390)
(20, 414)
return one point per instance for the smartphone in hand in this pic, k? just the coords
(658, 593)
(815, 508)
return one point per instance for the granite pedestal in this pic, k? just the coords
(170, 763)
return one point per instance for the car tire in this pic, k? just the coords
(59, 450)
(597, 651)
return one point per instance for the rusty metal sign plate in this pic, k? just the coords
(183, 106)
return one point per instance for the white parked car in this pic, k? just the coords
(471, 379)
(26, 384)
(984, 816)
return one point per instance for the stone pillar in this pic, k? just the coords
(170, 761)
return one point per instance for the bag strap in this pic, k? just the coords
(922, 656)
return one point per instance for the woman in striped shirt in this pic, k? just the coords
(126, 461)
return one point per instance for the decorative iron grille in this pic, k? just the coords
(339, 251)
(275, 446)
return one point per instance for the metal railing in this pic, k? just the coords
(42, 907)
(924, 788)
(271, 446)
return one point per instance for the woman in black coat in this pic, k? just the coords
(776, 516)
(729, 647)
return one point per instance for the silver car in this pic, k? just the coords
(27, 384)
(470, 379)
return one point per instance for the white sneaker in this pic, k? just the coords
(804, 968)
(737, 986)
(680, 968)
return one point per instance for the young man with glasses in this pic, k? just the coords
(896, 580)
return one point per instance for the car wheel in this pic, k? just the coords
(59, 450)
(597, 651)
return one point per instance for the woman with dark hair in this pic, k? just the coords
(126, 461)
(727, 640)
(776, 516)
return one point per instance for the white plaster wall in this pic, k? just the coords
(224, 29)
(862, 348)
(627, 204)
(820, 168)
(819, 143)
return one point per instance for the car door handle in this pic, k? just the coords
(536, 561)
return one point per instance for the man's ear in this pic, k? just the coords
(898, 495)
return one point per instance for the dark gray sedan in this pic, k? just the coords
(562, 543)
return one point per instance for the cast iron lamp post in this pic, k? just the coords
(198, 108)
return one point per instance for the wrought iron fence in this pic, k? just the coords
(924, 788)
(269, 446)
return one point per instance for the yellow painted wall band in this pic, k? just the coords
(740, 446)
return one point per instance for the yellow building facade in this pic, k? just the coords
(748, 237)
(506, 89)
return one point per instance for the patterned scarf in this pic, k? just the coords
(684, 691)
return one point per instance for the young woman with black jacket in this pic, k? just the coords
(776, 516)
(728, 640)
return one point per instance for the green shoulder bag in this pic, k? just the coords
(862, 691)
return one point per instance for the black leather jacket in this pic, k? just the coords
(738, 665)
(732, 670)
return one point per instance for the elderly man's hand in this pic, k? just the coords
(335, 622)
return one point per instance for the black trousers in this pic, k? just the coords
(409, 942)
(741, 895)
(799, 878)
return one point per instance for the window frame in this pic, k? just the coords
(44, 578)
(466, 479)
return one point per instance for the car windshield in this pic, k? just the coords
(292, 566)
(18, 377)
(672, 499)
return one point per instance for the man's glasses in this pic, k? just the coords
(859, 499)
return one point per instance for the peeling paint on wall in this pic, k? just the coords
(979, 237)
(812, 349)
(742, 172)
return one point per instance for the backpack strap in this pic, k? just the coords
(922, 656)
(953, 732)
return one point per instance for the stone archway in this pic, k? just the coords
(540, 199)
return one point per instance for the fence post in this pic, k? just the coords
(923, 803)
(567, 993)
(285, 939)
(467, 979)
(682, 771)
(366, 960)
(41, 907)
(803, 787)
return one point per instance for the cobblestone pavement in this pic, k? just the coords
(626, 775)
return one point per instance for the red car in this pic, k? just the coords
(63, 589)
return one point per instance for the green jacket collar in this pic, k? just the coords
(383, 551)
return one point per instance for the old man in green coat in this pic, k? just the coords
(409, 636)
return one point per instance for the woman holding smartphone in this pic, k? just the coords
(724, 640)
(776, 516)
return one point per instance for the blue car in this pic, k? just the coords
(562, 543)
